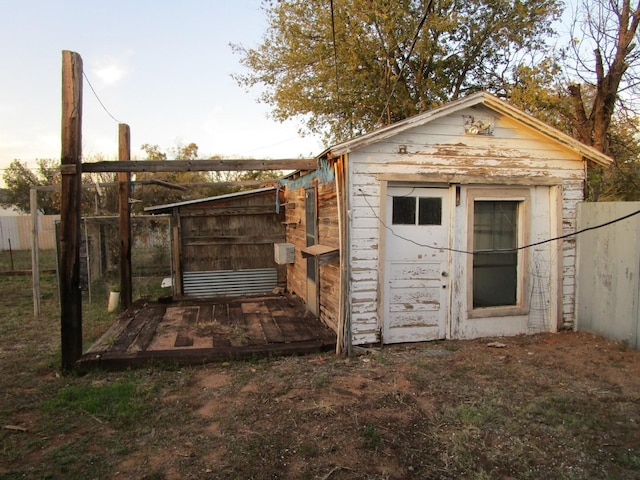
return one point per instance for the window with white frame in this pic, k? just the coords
(498, 225)
(495, 259)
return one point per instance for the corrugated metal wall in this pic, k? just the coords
(608, 272)
(15, 232)
(230, 282)
(226, 245)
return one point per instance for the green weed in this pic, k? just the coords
(370, 436)
(118, 401)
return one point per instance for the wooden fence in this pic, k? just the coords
(608, 271)
(16, 232)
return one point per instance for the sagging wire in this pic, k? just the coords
(98, 98)
(506, 250)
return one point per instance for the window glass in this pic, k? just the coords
(430, 211)
(495, 261)
(404, 211)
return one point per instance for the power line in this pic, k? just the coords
(335, 52)
(427, 7)
(506, 250)
(98, 98)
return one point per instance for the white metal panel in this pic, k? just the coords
(217, 283)
(17, 231)
(9, 233)
(608, 297)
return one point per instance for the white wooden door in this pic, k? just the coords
(416, 296)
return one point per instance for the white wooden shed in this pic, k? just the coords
(437, 214)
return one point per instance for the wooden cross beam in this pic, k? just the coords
(223, 165)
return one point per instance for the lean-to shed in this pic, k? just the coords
(223, 245)
(436, 227)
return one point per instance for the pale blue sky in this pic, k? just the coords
(161, 66)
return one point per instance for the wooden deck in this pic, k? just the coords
(197, 332)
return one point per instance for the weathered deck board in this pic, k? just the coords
(204, 321)
(127, 336)
(105, 342)
(185, 335)
(145, 336)
(255, 335)
(195, 332)
(290, 320)
(238, 324)
(220, 326)
(272, 332)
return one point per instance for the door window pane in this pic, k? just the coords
(404, 211)
(430, 211)
(495, 261)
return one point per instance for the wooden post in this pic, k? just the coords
(177, 252)
(70, 217)
(124, 193)
(35, 251)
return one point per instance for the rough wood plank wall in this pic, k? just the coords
(295, 221)
(328, 234)
(235, 234)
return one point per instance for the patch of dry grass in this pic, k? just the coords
(550, 406)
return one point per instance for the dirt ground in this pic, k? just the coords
(548, 406)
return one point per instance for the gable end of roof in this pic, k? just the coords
(480, 98)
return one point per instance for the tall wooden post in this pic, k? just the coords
(70, 217)
(124, 193)
(35, 251)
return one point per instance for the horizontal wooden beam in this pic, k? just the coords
(237, 183)
(223, 165)
(448, 179)
(202, 240)
(213, 211)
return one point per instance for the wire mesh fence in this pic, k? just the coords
(150, 255)
(100, 255)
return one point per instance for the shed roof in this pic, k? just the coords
(480, 98)
(226, 196)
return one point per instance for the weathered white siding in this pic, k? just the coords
(439, 152)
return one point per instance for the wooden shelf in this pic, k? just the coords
(324, 253)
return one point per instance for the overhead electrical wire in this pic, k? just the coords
(427, 8)
(98, 98)
(506, 250)
(335, 52)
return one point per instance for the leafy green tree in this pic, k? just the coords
(622, 180)
(589, 91)
(20, 179)
(367, 63)
(169, 187)
(604, 72)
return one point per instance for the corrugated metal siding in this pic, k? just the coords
(17, 231)
(230, 282)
